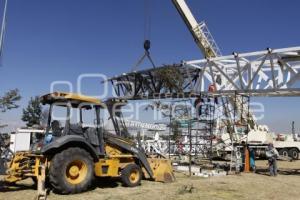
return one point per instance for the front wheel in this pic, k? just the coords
(131, 175)
(71, 171)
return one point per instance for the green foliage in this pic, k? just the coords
(170, 111)
(33, 113)
(175, 126)
(8, 101)
(170, 79)
(44, 117)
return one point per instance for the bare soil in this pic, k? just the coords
(244, 186)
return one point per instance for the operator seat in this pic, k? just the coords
(56, 128)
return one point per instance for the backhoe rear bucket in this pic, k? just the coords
(162, 170)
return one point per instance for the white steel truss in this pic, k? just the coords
(262, 73)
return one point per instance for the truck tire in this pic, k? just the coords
(71, 171)
(294, 153)
(131, 175)
(284, 152)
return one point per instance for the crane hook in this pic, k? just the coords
(147, 45)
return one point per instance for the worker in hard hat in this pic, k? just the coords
(252, 159)
(212, 88)
(198, 105)
(272, 155)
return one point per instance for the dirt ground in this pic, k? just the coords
(245, 186)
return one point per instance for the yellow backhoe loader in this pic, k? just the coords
(72, 154)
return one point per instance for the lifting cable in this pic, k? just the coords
(147, 34)
(147, 20)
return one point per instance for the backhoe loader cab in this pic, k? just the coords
(74, 115)
(74, 152)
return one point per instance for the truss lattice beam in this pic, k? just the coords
(262, 73)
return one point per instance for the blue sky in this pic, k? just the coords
(61, 39)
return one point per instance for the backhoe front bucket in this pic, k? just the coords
(162, 170)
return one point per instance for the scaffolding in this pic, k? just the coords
(201, 133)
(196, 132)
(236, 122)
(235, 78)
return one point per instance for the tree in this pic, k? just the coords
(8, 101)
(170, 79)
(169, 110)
(44, 117)
(33, 113)
(175, 126)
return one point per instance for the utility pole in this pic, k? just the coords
(190, 145)
(3, 25)
(170, 128)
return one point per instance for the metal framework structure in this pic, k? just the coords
(199, 132)
(262, 73)
(233, 78)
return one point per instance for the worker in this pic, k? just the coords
(252, 159)
(179, 146)
(198, 105)
(2, 161)
(272, 155)
(212, 88)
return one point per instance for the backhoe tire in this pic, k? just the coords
(131, 175)
(71, 171)
(294, 153)
(34, 180)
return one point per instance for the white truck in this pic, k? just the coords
(288, 145)
(24, 139)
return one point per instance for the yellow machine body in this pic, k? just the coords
(25, 165)
(162, 170)
(22, 166)
(117, 157)
(117, 160)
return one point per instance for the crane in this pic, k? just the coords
(199, 31)
(277, 68)
(210, 49)
(271, 72)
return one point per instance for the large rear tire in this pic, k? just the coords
(284, 152)
(131, 175)
(294, 153)
(71, 171)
